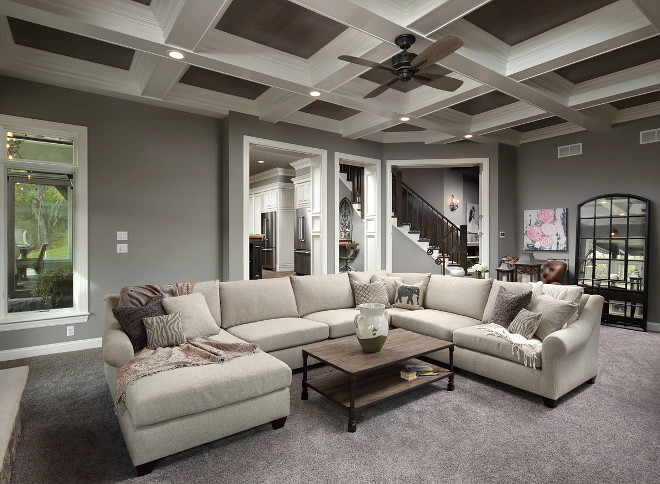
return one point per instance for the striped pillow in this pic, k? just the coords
(164, 331)
(525, 323)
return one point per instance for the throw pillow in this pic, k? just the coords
(525, 323)
(196, 318)
(370, 293)
(565, 293)
(555, 314)
(409, 296)
(130, 319)
(389, 282)
(507, 305)
(163, 331)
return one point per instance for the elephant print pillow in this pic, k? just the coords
(409, 296)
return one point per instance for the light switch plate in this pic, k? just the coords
(122, 235)
(122, 248)
(501, 235)
(70, 330)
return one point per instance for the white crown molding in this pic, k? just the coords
(363, 124)
(273, 172)
(550, 132)
(50, 349)
(166, 13)
(143, 66)
(650, 8)
(509, 137)
(434, 17)
(505, 117)
(637, 112)
(275, 104)
(302, 163)
(192, 22)
(447, 121)
(405, 137)
(301, 179)
(270, 186)
(552, 85)
(212, 102)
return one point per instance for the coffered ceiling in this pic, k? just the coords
(530, 69)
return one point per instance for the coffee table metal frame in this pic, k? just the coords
(364, 379)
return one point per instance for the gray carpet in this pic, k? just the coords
(482, 432)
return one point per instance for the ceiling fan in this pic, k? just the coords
(406, 65)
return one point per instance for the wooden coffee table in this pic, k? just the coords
(364, 379)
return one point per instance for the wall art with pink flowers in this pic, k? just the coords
(545, 229)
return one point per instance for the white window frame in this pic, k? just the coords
(80, 311)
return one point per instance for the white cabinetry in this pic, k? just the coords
(275, 197)
(269, 199)
(303, 191)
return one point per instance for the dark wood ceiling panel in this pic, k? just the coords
(616, 60)
(329, 110)
(144, 2)
(379, 76)
(56, 41)
(403, 127)
(514, 21)
(281, 25)
(541, 123)
(485, 102)
(631, 102)
(215, 81)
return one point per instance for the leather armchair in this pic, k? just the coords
(552, 271)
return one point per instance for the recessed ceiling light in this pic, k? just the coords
(175, 54)
(468, 136)
(261, 161)
(404, 118)
(314, 93)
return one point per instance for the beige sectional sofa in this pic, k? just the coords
(179, 409)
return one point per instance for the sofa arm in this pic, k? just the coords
(117, 348)
(575, 336)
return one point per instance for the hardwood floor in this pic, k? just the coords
(268, 274)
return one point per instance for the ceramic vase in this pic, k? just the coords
(372, 326)
(456, 271)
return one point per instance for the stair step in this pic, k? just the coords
(413, 231)
(424, 239)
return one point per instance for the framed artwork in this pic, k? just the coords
(545, 229)
(618, 308)
(472, 217)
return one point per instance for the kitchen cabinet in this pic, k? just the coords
(303, 191)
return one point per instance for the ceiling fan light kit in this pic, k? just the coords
(408, 65)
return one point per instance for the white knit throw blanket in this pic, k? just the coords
(519, 344)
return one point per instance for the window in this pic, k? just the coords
(45, 224)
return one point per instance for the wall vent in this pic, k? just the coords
(650, 136)
(569, 150)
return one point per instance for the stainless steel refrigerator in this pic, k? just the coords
(302, 254)
(268, 226)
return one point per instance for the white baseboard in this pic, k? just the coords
(655, 327)
(30, 351)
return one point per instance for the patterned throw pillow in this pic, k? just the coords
(507, 305)
(409, 296)
(389, 281)
(370, 293)
(525, 323)
(130, 319)
(163, 331)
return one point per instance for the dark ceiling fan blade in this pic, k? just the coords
(436, 51)
(365, 62)
(381, 89)
(438, 82)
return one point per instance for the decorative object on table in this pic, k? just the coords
(345, 219)
(422, 370)
(409, 296)
(472, 217)
(408, 375)
(635, 281)
(479, 270)
(545, 229)
(528, 269)
(372, 326)
(455, 255)
(505, 272)
(375, 292)
(453, 203)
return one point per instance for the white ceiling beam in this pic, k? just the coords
(552, 85)
(193, 20)
(506, 136)
(608, 28)
(447, 121)
(363, 124)
(312, 121)
(444, 14)
(550, 132)
(426, 101)
(157, 74)
(276, 104)
(651, 9)
(637, 112)
(506, 117)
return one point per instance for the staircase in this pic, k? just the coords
(353, 177)
(427, 227)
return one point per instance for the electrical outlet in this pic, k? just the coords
(501, 235)
(122, 248)
(122, 235)
(70, 330)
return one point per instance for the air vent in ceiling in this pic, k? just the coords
(650, 136)
(569, 150)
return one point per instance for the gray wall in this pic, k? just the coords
(407, 257)
(612, 162)
(154, 172)
(429, 183)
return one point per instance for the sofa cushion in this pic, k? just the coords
(211, 292)
(323, 292)
(249, 301)
(459, 295)
(366, 293)
(389, 283)
(563, 293)
(515, 287)
(187, 391)
(409, 296)
(364, 276)
(475, 339)
(196, 319)
(277, 334)
(555, 314)
(130, 318)
(412, 277)
(508, 305)
(439, 324)
(340, 321)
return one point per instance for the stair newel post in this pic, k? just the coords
(463, 245)
(398, 190)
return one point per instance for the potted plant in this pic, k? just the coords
(55, 286)
(479, 270)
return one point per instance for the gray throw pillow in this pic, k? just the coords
(525, 323)
(409, 296)
(370, 293)
(555, 314)
(507, 305)
(163, 331)
(130, 319)
(196, 318)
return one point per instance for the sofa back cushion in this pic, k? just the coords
(323, 292)
(211, 292)
(244, 302)
(412, 277)
(459, 295)
(515, 287)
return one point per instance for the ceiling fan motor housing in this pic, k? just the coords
(401, 62)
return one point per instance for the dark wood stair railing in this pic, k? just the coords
(355, 175)
(433, 227)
